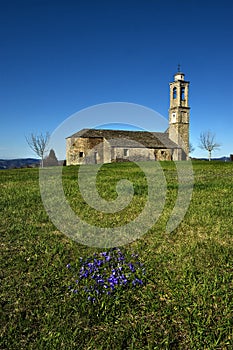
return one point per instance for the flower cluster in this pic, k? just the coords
(107, 272)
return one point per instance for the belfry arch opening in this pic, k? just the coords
(174, 93)
(182, 93)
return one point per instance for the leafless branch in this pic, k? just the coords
(38, 144)
(208, 143)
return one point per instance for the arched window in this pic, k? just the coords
(174, 92)
(182, 93)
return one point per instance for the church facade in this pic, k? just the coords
(96, 146)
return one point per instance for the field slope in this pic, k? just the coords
(185, 302)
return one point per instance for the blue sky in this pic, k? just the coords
(59, 57)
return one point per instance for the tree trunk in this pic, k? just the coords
(209, 156)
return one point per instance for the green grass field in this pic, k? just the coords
(186, 302)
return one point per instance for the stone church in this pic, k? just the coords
(93, 146)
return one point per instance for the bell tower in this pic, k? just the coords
(179, 115)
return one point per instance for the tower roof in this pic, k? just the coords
(179, 76)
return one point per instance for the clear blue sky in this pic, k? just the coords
(58, 57)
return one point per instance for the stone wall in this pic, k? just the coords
(82, 149)
(179, 133)
(98, 150)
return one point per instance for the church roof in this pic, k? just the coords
(128, 138)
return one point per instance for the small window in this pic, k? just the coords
(126, 152)
(80, 154)
(174, 92)
(182, 93)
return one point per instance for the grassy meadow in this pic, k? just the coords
(186, 300)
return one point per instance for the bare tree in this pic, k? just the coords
(191, 148)
(38, 144)
(207, 142)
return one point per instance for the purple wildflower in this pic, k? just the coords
(108, 272)
(132, 268)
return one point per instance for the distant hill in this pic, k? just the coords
(33, 162)
(221, 159)
(19, 163)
